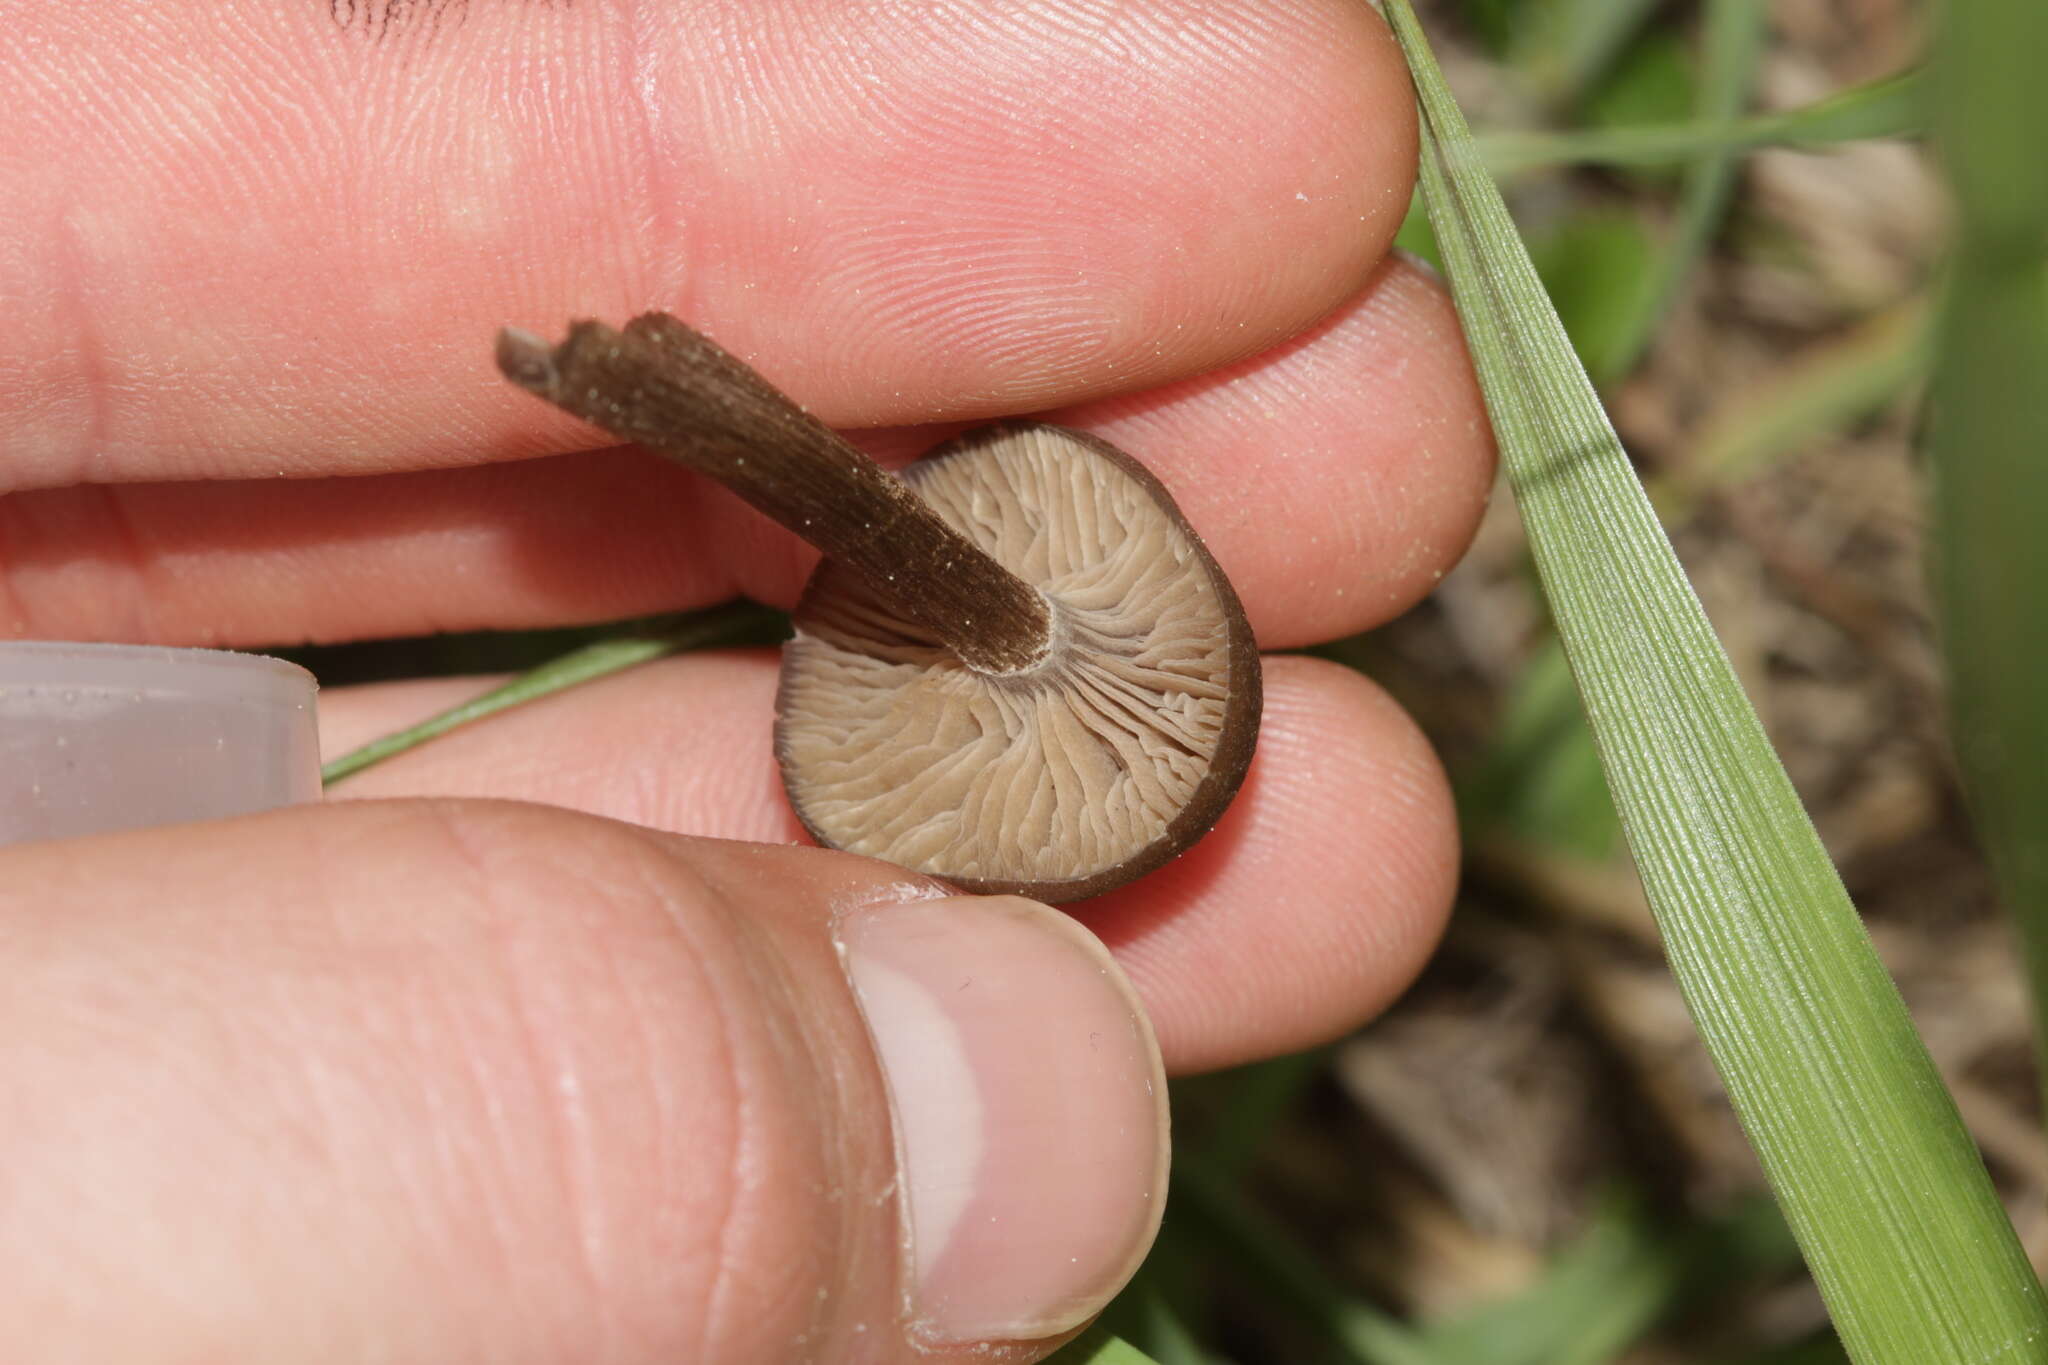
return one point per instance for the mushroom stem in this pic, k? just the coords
(664, 385)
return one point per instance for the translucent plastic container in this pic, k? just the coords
(95, 738)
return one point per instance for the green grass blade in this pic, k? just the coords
(1562, 46)
(1816, 394)
(1262, 1255)
(734, 623)
(1096, 1346)
(1598, 1296)
(1260, 1095)
(1147, 1314)
(1990, 447)
(1734, 41)
(1630, 1269)
(1893, 107)
(1877, 1176)
(1171, 1341)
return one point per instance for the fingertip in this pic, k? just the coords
(1318, 897)
(681, 744)
(965, 210)
(1336, 477)
(995, 1018)
(1308, 908)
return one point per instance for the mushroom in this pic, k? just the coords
(1018, 668)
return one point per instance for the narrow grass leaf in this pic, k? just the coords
(1818, 394)
(1655, 81)
(1162, 1332)
(1892, 107)
(1096, 1346)
(1734, 41)
(1158, 1312)
(1258, 1097)
(734, 623)
(1862, 1144)
(1562, 46)
(1598, 1295)
(1632, 1268)
(1990, 446)
(1207, 1205)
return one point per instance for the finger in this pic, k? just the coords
(433, 1082)
(966, 209)
(1308, 908)
(1335, 478)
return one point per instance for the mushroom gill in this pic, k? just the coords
(1113, 752)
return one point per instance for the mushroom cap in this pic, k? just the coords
(1112, 754)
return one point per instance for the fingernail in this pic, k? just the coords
(1030, 1111)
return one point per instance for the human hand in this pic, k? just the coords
(444, 1079)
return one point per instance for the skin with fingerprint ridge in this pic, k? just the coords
(377, 20)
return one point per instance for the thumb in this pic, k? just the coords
(469, 1081)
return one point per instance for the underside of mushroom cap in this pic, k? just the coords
(1112, 754)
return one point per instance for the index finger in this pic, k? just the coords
(264, 241)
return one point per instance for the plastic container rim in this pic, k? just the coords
(66, 663)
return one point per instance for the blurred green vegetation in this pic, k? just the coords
(1990, 445)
